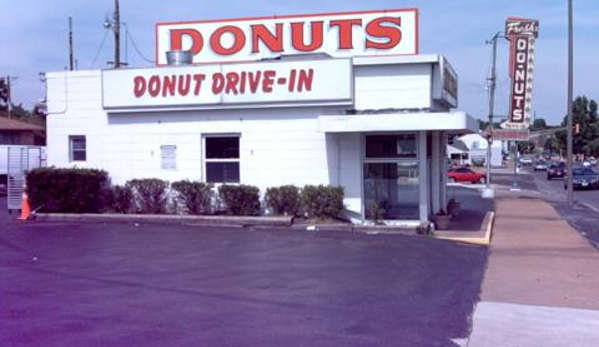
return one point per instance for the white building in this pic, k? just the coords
(477, 150)
(376, 125)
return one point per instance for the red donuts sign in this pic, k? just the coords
(392, 32)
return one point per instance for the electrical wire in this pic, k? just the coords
(138, 50)
(99, 49)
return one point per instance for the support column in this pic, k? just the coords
(436, 172)
(423, 176)
(443, 169)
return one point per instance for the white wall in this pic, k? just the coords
(406, 86)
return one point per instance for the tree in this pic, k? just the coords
(4, 94)
(526, 147)
(585, 119)
(539, 124)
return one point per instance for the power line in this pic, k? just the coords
(137, 49)
(99, 49)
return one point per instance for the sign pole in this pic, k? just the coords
(570, 96)
(492, 83)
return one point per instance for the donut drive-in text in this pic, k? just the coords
(235, 82)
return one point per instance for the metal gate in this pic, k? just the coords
(20, 159)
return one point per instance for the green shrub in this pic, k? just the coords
(67, 190)
(195, 196)
(284, 200)
(240, 200)
(119, 199)
(322, 201)
(149, 195)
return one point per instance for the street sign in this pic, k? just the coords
(511, 135)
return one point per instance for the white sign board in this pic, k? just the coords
(388, 32)
(221, 85)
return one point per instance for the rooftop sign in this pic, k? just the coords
(389, 32)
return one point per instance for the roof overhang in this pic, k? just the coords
(455, 122)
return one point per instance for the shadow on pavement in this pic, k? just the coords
(473, 208)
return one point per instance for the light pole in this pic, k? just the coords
(570, 97)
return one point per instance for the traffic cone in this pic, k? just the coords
(25, 208)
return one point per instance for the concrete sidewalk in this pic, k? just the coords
(541, 287)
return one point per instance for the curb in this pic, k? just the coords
(229, 221)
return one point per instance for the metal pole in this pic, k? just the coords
(71, 57)
(8, 101)
(492, 83)
(570, 97)
(117, 35)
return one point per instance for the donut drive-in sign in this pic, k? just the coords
(235, 65)
(388, 32)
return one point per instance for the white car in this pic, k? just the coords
(526, 161)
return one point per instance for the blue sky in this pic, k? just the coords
(34, 38)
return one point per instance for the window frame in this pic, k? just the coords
(207, 160)
(72, 150)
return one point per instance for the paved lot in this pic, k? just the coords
(127, 285)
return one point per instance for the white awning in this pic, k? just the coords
(457, 122)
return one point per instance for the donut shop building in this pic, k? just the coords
(340, 99)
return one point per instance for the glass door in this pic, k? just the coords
(391, 178)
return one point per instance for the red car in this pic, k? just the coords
(464, 174)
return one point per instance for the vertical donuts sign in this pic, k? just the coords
(522, 34)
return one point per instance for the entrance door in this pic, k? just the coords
(391, 179)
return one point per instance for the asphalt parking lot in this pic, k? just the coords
(151, 285)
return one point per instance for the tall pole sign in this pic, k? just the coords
(522, 34)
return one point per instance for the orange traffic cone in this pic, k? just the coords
(25, 208)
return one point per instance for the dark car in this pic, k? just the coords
(556, 170)
(540, 165)
(583, 178)
(464, 174)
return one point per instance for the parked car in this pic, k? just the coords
(464, 174)
(526, 161)
(556, 170)
(540, 165)
(583, 177)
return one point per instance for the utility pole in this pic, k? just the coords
(492, 83)
(117, 35)
(570, 97)
(71, 55)
(8, 106)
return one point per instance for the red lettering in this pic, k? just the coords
(139, 86)
(154, 86)
(291, 85)
(169, 85)
(238, 41)
(254, 80)
(242, 84)
(218, 83)
(184, 84)
(232, 81)
(268, 80)
(198, 78)
(194, 35)
(381, 28)
(261, 34)
(345, 31)
(304, 80)
(297, 36)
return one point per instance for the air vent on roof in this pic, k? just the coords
(179, 57)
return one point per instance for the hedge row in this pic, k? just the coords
(89, 191)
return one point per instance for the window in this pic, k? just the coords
(77, 148)
(391, 146)
(222, 159)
